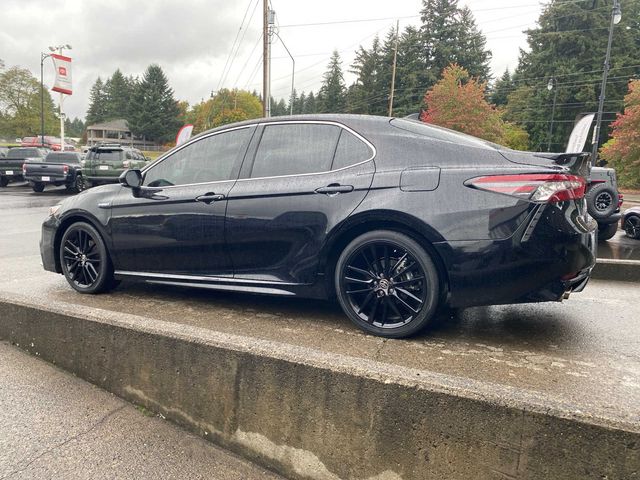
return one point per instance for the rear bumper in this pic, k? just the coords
(52, 180)
(556, 258)
(611, 219)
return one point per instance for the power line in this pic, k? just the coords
(233, 46)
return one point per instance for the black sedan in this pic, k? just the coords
(393, 217)
(631, 222)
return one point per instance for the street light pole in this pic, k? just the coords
(616, 16)
(42, 57)
(552, 85)
(293, 74)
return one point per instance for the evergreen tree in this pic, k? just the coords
(97, 103)
(569, 46)
(450, 35)
(333, 90)
(501, 89)
(300, 106)
(311, 105)
(154, 113)
(409, 90)
(366, 66)
(118, 91)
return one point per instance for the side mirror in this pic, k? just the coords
(131, 178)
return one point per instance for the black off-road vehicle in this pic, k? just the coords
(603, 201)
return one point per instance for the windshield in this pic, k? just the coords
(105, 155)
(62, 158)
(440, 133)
(23, 153)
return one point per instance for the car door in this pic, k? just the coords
(289, 197)
(175, 223)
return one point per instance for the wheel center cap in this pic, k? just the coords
(384, 284)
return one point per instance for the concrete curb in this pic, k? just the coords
(617, 270)
(312, 415)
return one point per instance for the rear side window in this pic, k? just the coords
(351, 150)
(295, 149)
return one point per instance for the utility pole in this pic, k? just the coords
(552, 85)
(42, 57)
(393, 75)
(266, 61)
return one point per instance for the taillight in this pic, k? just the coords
(65, 169)
(620, 199)
(538, 187)
(24, 168)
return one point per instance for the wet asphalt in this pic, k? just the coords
(584, 351)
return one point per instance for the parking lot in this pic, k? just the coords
(585, 351)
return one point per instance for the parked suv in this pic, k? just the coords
(603, 201)
(104, 163)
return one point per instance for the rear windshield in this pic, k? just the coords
(62, 158)
(23, 153)
(105, 155)
(440, 133)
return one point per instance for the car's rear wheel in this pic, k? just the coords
(38, 187)
(77, 186)
(84, 258)
(4, 181)
(387, 284)
(607, 232)
(632, 226)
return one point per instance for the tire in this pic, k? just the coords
(387, 284)
(632, 226)
(38, 187)
(602, 201)
(85, 260)
(77, 186)
(4, 181)
(607, 232)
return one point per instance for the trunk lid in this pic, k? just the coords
(574, 163)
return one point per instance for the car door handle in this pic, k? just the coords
(209, 198)
(334, 189)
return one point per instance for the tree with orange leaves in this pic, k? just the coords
(623, 150)
(458, 102)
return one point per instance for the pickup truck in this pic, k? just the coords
(11, 165)
(57, 168)
(104, 163)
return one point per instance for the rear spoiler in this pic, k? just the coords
(577, 163)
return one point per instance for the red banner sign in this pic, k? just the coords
(62, 65)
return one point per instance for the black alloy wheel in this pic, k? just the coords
(632, 226)
(602, 201)
(85, 260)
(77, 186)
(387, 284)
(38, 187)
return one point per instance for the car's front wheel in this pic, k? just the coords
(632, 226)
(84, 258)
(387, 284)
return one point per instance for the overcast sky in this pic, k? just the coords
(191, 39)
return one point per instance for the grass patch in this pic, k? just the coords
(152, 155)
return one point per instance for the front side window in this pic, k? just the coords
(210, 159)
(295, 149)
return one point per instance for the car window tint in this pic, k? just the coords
(351, 150)
(210, 159)
(294, 149)
(105, 155)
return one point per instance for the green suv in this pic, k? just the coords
(104, 163)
